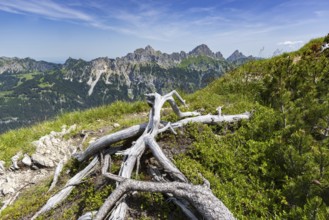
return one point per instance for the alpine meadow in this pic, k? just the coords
(252, 144)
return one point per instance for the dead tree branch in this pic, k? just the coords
(201, 197)
(65, 192)
(56, 175)
(182, 192)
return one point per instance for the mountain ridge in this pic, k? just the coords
(137, 55)
(32, 90)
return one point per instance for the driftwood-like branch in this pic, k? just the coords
(211, 119)
(107, 140)
(88, 216)
(181, 192)
(201, 197)
(56, 175)
(156, 101)
(183, 204)
(169, 97)
(105, 167)
(65, 192)
(163, 160)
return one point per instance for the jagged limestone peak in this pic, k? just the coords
(202, 50)
(236, 55)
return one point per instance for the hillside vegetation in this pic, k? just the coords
(274, 166)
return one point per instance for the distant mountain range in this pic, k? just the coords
(31, 90)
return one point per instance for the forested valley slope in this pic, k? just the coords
(32, 91)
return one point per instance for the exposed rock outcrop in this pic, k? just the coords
(50, 150)
(203, 50)
(27, 160)
(237, 58)
(236, 55)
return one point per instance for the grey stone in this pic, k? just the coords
(14, 160)
(42, 160)
(116, 125)
(27, 160)
(7, 189)
(2, 167)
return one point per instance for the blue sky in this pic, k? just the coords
(54, 30)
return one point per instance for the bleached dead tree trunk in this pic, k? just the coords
(200, 197)
(133, 154)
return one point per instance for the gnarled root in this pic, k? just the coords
(180, 191)
(209, 206)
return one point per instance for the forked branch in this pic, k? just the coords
(199, 196)
(181, 191)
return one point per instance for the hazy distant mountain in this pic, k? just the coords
(31, 90)
(238, 58)
(15, 65)
(204, 50)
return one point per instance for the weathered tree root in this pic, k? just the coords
(65, 192)
(200, 197)
(107, 140)
(156, 101)
(58, 171)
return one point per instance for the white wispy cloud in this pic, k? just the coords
(144, 19)
(290, 43)
(148, 20)
(8, 9)
(160, 20)
(51, 10)
(45, 8)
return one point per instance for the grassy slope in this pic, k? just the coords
(15, 140)
(264, 168)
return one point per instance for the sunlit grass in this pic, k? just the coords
(21, 139)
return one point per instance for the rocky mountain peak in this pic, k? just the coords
(236, 55)
(146, 54)
(202, 50)
(69, 60)
(148, 50)
(16, 65)
(219, 55)
(79, 83)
